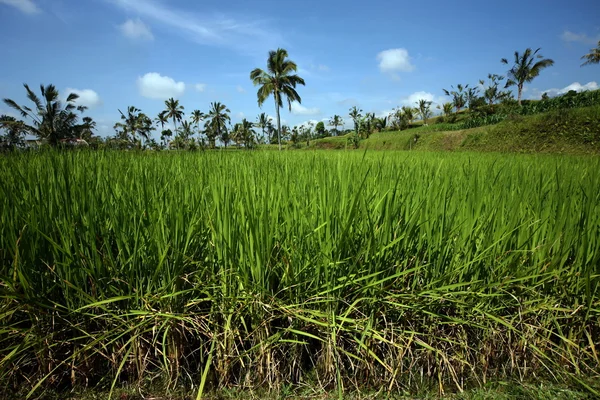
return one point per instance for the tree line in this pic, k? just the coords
(55, 122)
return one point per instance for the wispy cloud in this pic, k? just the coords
(299, 109)
(135, 29)
(26, 6)
(213, 29)
(569, 36)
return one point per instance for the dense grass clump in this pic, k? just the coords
(397, 270)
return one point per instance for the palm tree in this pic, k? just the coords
(262, 122)
(174, 111)
(593, 57)
(492, 94)
(197, 117)
(87, 128)
(471, 96)
(246, 132)
(409, 114)
(458, 96)
(280, 81)
(185, 130)
(355, 114)
(52, 120)
(424, 108)
(134, 122)
(216, 124)
(525, 69)
(162, 120)
(447, 108)
(336, 121)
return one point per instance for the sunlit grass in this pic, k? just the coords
(257, 269)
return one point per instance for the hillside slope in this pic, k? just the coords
(574, 130)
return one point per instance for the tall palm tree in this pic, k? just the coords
(459, 98)
(162, 120)
(185, 130)
(279, 80)
(593, 57)
(134, 123)
(424, 107)
(216, 124)
(262, 122)
(525, 69)
(51, 119)
(336, 121)
(355, 114)
(174, 111)
(197, 117)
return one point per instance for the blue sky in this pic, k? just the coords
(375, 54)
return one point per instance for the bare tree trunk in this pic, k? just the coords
(520, 87)
(276, 97)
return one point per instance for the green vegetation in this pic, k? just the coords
(279, 81)
(593, 57)
(406, 272)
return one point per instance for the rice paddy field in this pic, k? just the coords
(349, 271)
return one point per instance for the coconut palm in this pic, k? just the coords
(86, 129)
(197, 117)
(408, 113)
(174, 111)
(162, 120)
(356, 115)
(424, 108)
(471, 96)
(447, 108)
(492, 93)
(52, 119)
(134, 123)
(185, 130)
(262, 122)
(593, 57)
(216, 124)
(336, 121)
(525, 69)
(459, 98)
(280, 81)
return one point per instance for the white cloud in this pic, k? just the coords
(576, 86)
(306, 124)
(569, 36)
(240, 115)
(299, 109)
(322, 67)
(240, 89)
(395, 60)
(26, 6)
(214, 29)
(87, 97)
(155, 86)
(135, 29)
(200, 87)
(413, 98)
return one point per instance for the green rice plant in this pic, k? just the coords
(263, 270)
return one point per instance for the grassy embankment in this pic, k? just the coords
(574, 131)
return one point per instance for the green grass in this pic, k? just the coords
(570, 131)
(402, 271)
